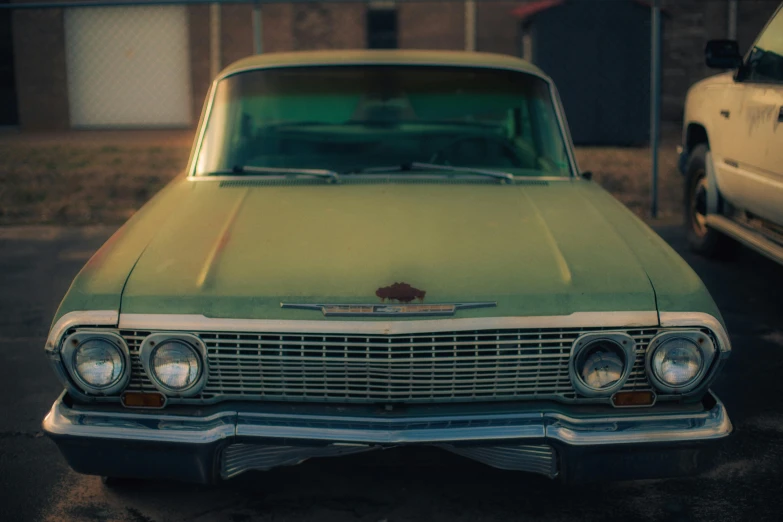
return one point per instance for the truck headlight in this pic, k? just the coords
(678, 361)
(175, 363)
(97, 361)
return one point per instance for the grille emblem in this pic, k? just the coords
(396, 310)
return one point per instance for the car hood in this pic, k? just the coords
(239, 250)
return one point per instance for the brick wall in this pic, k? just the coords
(236, 31)
(497, 31)
(328, 26)
(297, 27)
(39, 42)
(198, 32)
(431, 25)
(276, 34)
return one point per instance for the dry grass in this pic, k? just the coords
(90, 180)
(625, 172)
(82, 184)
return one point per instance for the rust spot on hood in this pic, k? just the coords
(402, 292)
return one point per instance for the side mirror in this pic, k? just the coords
(722, 54)
(587, 175)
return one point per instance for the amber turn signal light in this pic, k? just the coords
(143, 400)
(633, 398)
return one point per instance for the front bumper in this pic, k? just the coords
(627, 444)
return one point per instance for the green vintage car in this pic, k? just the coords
(384, 248)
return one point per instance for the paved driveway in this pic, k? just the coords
(37, 265)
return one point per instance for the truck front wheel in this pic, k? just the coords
(701, 238)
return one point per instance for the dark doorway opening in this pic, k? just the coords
(8, 109)
(381, 28)
(598, 54)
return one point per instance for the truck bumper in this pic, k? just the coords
(627, 445)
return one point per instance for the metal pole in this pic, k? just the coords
(470, 25)
(655, 100)
(257, 47)
(732, 29)
(214, 40)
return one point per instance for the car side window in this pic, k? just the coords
(765, 63)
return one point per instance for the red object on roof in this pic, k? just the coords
(528, 10)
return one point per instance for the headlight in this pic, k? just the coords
(677, 362)
(175, 363)
(601, 363)
(98, 362)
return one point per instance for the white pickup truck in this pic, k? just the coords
(732, 152)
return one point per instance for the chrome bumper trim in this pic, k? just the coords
(240, 457)
(68, 422)
(539, 459)
(634, 428)
(396, 431)
(709, 425)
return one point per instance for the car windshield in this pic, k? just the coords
(349, 119)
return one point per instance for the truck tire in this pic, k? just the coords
(701, 238)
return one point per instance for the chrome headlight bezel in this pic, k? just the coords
(621, 340)
(702, 342)
(150, 345)
(76, 340)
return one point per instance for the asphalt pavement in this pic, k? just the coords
(37, 265)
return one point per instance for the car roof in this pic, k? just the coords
(381, 57)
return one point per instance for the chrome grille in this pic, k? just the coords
(439, 367)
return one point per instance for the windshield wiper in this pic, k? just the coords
(333, 176)
(506, 177)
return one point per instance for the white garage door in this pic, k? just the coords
(128, 66)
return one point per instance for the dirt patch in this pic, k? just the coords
(84, 178)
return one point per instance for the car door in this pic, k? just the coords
(750, 166)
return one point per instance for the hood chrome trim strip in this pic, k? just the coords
(195, 322)
(187, 322)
